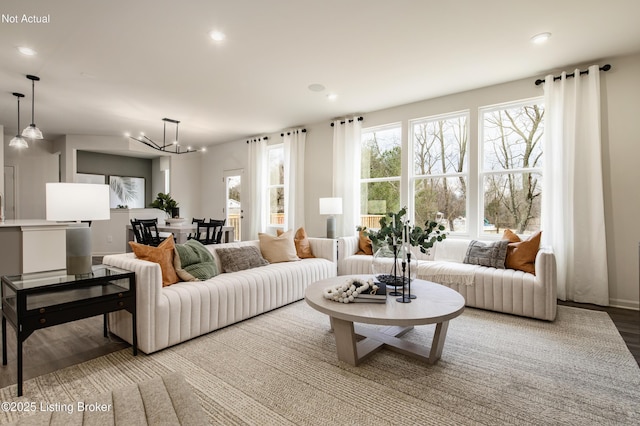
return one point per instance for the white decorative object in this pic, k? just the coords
(350, 289)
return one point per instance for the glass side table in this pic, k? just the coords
(44, 299)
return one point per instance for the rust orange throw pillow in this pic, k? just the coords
(301, 241)
(511, 236)
(162, 255)
(521, 255)
(364, 244)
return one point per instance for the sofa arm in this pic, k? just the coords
(347, 246)
(148, 290)
(326, 248)
(547, 276)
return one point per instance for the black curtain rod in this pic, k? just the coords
(350, 121)
(606, 67)
(258, 139)
(296, 131)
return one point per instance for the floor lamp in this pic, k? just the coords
(76, 202)
(331, 207)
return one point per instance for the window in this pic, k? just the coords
(511, 167)
(440, 173)
(275, 187)
(381, 165)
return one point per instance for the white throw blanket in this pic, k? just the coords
(444, 272)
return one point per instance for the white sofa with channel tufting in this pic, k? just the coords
(169, 315)
(502, 290)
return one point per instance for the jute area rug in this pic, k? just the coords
(281, 369)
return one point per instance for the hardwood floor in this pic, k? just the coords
(53, 348)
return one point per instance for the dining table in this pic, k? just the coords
(181, 232)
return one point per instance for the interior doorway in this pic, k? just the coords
(233, 201)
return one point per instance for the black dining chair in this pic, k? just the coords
(150, 235)
(137, 231)
(208, 233)
(194, 220)
(220, 223)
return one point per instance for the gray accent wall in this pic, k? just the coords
(117, 165)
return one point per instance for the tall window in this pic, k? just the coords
(511, 166)
(440, 172)
(381, 161)
(275, 188)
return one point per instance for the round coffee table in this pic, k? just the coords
(435, 304)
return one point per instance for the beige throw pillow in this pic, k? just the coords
(278, 249)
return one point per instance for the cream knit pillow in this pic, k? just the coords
(278, 249)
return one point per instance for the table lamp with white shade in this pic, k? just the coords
(76, 202)
(331, 207)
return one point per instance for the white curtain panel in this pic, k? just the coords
(346, 173)
(573, 208)
(294, 145)
(258, 175)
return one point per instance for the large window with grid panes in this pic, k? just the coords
(481, 185)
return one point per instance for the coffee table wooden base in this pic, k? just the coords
(353, 352)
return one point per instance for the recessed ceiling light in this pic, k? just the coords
(540, 38)
(217, 36)
(332, 96)
(316, 87)
(27, 51)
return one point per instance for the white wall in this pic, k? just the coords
(186, 184)
(33, 168)
(621, 150)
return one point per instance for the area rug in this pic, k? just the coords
(281, 369)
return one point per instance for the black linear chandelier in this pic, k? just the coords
(171, 147)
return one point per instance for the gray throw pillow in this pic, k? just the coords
(487, 254)
(240, 258)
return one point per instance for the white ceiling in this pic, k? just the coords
(108, 67)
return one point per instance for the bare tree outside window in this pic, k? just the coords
(440, 171)
(512, 165)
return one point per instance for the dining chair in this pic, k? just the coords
(194, 220)
(150, 234)
(137, 231)
(218, 232)
(208, 233)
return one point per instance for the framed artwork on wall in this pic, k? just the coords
(126, 192)
(90, 178)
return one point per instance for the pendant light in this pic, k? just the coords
(31, 131)
(18, 141)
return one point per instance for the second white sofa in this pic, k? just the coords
(503, 290)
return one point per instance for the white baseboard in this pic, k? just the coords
(625, 304)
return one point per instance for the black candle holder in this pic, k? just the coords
(404, 298)
(411, 296)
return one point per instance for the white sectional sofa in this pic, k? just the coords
(169, 315)
(502, 290)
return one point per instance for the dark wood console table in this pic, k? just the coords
(44, 299)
